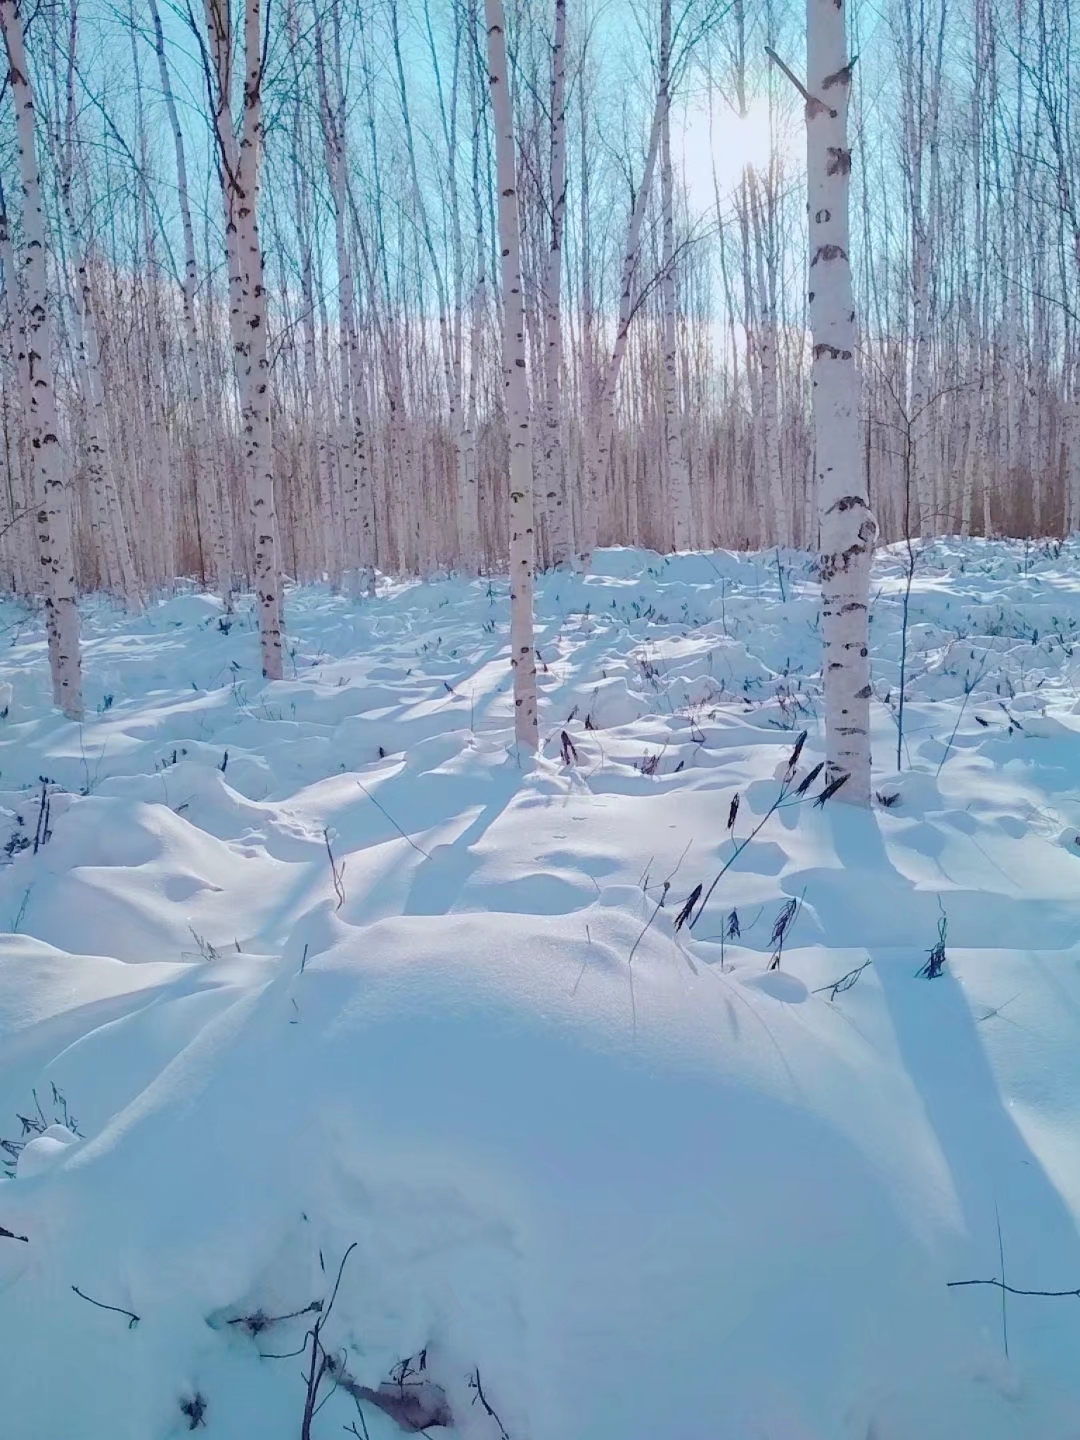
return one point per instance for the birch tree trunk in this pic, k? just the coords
(259, 451)
(454, 335)
(107, 521)
(678, 475)
(522, 653)
(240, 182)
(206, 476)
(1071, 444)
(558, 511)
(52, 499)
(14, 412)
(448, 348)
(767, 360)
(104, 534)
(600, 448)
(848, 528)
(469, 514)
(352, 441)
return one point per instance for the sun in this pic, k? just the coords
(713, 145)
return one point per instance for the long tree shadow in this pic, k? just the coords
(443, 874)
(1010, 1205)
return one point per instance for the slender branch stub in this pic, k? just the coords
(814, 106)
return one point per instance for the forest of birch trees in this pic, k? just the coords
(256, 313)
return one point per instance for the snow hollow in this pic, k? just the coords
(354, 1078)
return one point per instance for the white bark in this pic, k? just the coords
(352, 437)
(848, 528)
(469, 513)
(522, 653)
(240, 180)
(206, 469)
(968, 466)
(107, 522)
(604, 427)
(104, 537)
(52, 499)
(448, 341)
(259, 450)
(1072, 451)
(767, 361)
(920, 396)
(18, 537)
(558, 510)
(678, 475)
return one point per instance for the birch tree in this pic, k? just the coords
(239, 165)
(352, 442)
(515, 388)
(604, 427)
(19, 563)
(52, 502)
(678, 475)
(847, 526)
(558, 511)
(668, 373)
(205, 463)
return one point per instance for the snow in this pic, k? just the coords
(675, 1195)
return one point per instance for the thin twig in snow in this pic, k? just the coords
(1015, 1290)
(844, 983)
(133, 1319)
(652, 917)
(419, 850)
(337, 871)
(1004, 1287)
(967, 696)
(474, 1384)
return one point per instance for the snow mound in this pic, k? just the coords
(322, 1022)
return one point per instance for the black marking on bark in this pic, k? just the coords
(829, 252)
(840, 77)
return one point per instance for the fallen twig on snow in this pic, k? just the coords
(404, 834)
(1015, 1290)
(133, 1319)
(258, 1321)
(474, 1384)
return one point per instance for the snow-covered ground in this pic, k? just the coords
(292, 968)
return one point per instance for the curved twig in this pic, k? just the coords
(1013, 1290)
(133, 1319)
